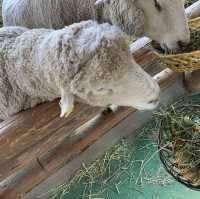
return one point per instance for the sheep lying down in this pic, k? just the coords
(84, 60)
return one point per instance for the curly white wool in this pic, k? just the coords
(86, 60)
(167, 25)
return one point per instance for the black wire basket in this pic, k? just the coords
(180, 134)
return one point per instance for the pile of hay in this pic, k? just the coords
(194, 44)
(179, 140)
(93, 180)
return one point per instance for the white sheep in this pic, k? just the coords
(161, 20)
(84, 60)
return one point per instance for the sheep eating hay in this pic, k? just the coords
(161, 20)
(84, 60)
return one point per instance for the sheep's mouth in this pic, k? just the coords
(163, 48)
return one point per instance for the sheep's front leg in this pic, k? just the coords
(66, 103)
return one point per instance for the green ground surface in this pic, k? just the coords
(130, 170)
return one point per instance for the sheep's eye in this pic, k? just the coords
(157, 5)
(104, 91)
(100, 89)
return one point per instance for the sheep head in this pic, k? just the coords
(165, 22)
(161, 20)
(112, 76)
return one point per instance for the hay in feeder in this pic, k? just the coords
(179, 140)
(194, 44)
(188, 59)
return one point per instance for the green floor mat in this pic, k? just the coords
(129, 170)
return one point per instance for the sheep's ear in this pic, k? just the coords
(66, 103)
(99, 2)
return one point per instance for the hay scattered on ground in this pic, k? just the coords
(109, 168)
(105, 174)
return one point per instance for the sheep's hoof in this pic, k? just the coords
(107, 111)
(192, 81)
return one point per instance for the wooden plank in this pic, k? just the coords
(193, 11)
(21, 139)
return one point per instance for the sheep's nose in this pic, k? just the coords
(182, 44)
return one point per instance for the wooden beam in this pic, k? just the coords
(32, 133)
(193, 11)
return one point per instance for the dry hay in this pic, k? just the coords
(105, 174)
(188, 59)
(109, 167)
(179, 140)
